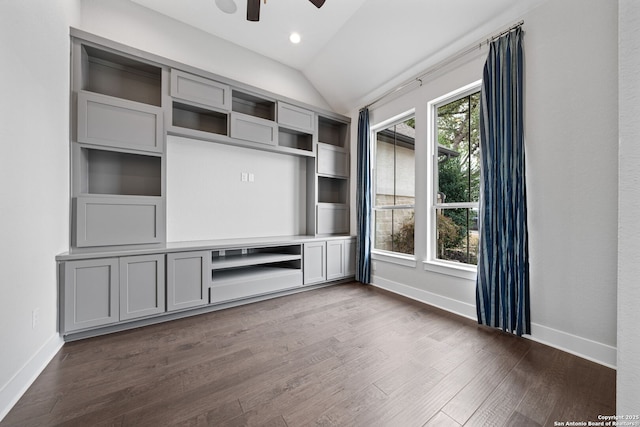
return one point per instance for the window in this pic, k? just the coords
(456, 172)
(394, 186)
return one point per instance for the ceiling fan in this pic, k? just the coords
(253, 7)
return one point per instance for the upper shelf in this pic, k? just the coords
(120, 76)
(251, 259)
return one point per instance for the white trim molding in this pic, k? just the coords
(600, 353)
(13, 390)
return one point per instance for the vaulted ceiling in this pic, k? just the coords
(352, 50)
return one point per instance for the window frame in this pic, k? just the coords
(432, 263)
(389, 256)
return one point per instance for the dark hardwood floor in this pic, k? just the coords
(347, 355)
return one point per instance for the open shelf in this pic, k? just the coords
(332, 132)
(116, 173)
(295, 139)
(119, 76)
(332, 190)
(201, 119)
(253, 106)
(251, 259)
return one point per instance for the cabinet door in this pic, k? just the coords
(128, 220)
(254, 129)
(295, 117)
(114, 122)
(90, 293)
(332, 219)
(187, 279)
(200, 90)
(315, 263)
(335, 259)
(141, 286)
(350, 257)
(332, 161)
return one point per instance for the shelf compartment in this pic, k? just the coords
(112, 172)
(333, 132)
(119, 76)
(252, 105)
(332, 190)
(234, 284)
(200, 119)
(295, 139)
(251, 259)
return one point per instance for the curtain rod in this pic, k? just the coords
(418, 78)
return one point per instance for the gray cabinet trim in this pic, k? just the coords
(114, 122)
(202, 91)
(142, 286)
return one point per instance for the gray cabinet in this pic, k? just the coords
(142, 287)
(200, 90)
(335, 259)
(332, 219)
(291, 116)
(104, 221)
(254, 129)
(332, 161)
(114, 122)
(91, 294)
(187, 279)
(315, 262)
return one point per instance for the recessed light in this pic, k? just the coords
(227, 6)
(294, 38)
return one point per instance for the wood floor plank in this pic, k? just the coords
(349, 355)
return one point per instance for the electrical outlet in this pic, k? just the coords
(251, 177)
(244, 177)
(35, 318)
(374, 266)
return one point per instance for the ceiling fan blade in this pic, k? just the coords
(317, 3)
(253, 10)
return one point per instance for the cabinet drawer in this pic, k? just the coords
(113, 122)
(332, 219)
(200, 90)
(332, 161)
(295, 117)
(117, 221)
(254, 129)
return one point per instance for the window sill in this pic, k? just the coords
(393, 258)
(451, 269)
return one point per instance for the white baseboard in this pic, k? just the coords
(582, 347)
(13, 390)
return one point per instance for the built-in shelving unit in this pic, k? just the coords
(121, 272)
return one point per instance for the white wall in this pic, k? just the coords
(136, 26)
(34, 183)
(206, 198)
(628, 381)
(571, 142)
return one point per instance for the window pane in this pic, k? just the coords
(457, 231)
(395, 165)
(394, 230)
(459, 150)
